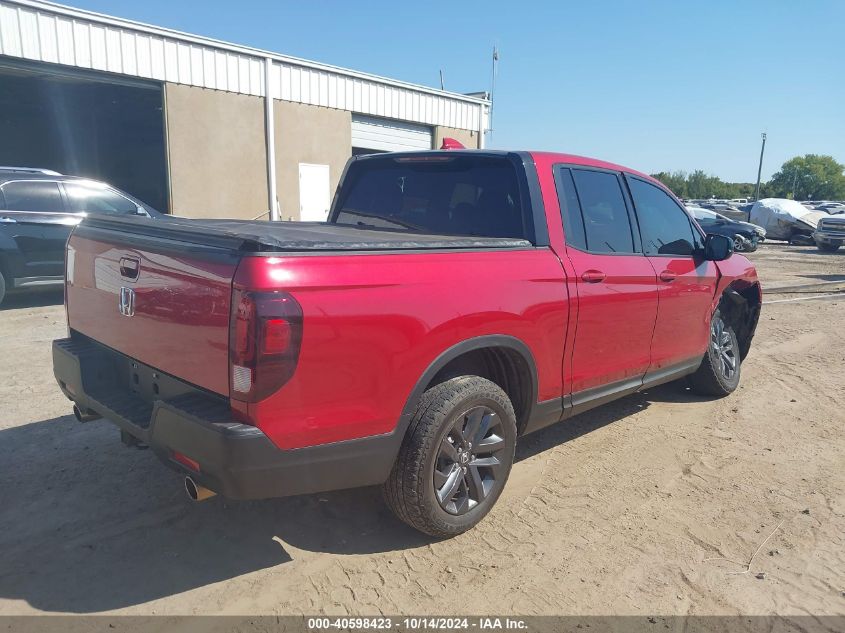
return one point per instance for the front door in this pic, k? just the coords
(686, 282)
(615, 285)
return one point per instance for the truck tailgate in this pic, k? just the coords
(161, 301)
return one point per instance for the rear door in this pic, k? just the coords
(615, 284)
(35, 217)
(686, 282)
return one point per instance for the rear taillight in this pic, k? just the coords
(264, 339)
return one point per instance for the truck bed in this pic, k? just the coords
(263, 236)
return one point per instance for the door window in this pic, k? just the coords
(93, 198)
(665, 227)
(32, 195)
(570, 210)
(607, 226)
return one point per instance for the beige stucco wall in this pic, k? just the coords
(308, 134)
(467, 137)
(216, 147)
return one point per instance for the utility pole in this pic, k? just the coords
(760, 169)
(492, 89)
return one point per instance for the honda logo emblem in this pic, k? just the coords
(126, 302)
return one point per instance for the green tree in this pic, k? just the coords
(809, 177)
(700, 185)
(676, 181)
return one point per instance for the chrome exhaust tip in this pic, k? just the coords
(197, 492)
(87, 416)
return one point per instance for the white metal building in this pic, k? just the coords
(185, 122)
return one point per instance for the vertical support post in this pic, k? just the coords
(270, 140)
(482, 125)
(492, 91)
(760, 169)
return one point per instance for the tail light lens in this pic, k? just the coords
(265, 336)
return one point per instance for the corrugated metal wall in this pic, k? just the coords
(34, 31)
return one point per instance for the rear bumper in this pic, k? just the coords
(236, 460)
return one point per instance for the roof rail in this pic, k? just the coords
(31, 170)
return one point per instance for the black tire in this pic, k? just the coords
(2, 288)
(719, 372)
(828, 248)
(739, 244)
(435, 444)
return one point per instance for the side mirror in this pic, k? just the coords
(718, 248)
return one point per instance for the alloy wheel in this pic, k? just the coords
(723, 347)
(470, 460)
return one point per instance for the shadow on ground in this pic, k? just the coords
(18, 300)
(89, 525)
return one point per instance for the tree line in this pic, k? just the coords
(808, 177)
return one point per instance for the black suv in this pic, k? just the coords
(38, 210)
(745, 235)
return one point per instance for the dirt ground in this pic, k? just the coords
(653, 504)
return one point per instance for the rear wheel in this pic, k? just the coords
(455, 458)
(719, 372)
(2, 288)
(828, 248)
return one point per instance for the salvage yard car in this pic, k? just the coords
(787, 220)
(746, 236)
(38, 209)
(454, 301)
(830, 234)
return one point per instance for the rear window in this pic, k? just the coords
(32, 195)
(476, 196)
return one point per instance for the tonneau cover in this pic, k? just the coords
(263, 236)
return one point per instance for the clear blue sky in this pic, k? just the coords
(654, 85)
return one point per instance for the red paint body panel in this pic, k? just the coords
(374, 323)
(615, 319)
(685, 295)
(181, 321)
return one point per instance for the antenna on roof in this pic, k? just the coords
(492, 90)
(441, 80)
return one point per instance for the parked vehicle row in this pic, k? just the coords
(454, 301)
(38, 210)
(820, 222)
(746, 236)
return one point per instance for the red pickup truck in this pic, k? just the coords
(454, 301)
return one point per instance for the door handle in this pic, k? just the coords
(8, 220)
(593, 276)
(668, 275)
(129, 267)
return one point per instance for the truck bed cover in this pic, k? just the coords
(264, 236)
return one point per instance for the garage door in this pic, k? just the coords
(385, 135)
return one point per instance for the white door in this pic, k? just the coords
(314, 192)
(389, 136)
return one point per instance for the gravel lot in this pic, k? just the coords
(634, 508)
